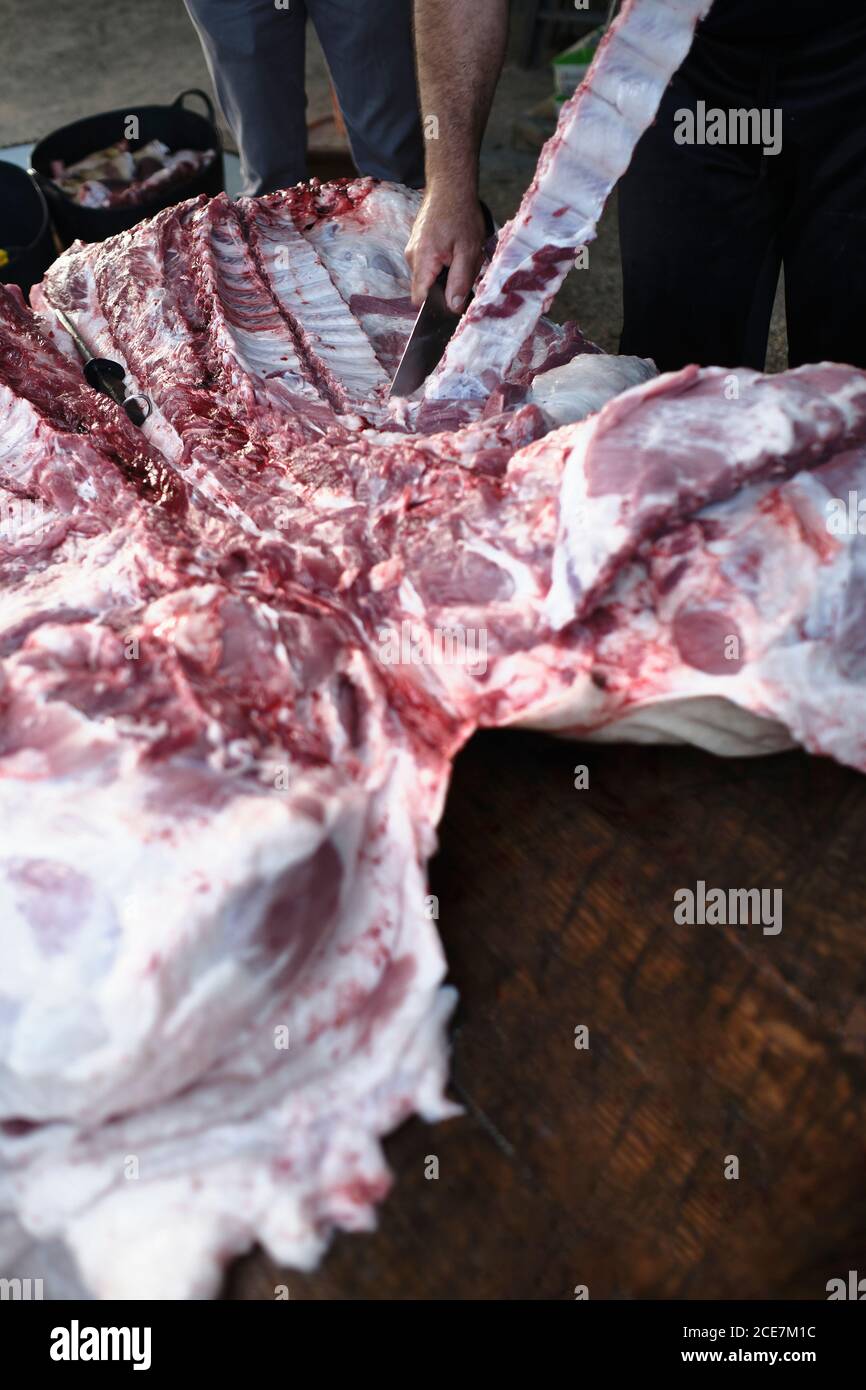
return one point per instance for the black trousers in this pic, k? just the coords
(705, 229)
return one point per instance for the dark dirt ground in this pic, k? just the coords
(61, 62)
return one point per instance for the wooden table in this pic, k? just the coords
(606, 1167)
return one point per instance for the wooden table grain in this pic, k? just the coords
(605, 1167)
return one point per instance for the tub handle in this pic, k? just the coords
(197, 92)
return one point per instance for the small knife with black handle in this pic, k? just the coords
(106, 376)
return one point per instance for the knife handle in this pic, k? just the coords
(137, 408)
(108, 377)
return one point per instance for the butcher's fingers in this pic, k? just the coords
(449, 231)
(464, 268)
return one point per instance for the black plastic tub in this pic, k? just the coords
(177, 127)
(25, 230)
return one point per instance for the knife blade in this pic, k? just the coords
(430, 336)
(106, 376)
(433, 330)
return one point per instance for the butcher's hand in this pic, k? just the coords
(449, 230)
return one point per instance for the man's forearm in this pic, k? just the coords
(461, 48)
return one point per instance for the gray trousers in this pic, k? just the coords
(255, 52)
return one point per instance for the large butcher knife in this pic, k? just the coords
(434, 328)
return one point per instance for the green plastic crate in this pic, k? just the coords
(570, 67)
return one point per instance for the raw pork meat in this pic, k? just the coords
(181, 665)
(240, 649)
(119, 177)
(219, 790)
(583, 385)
